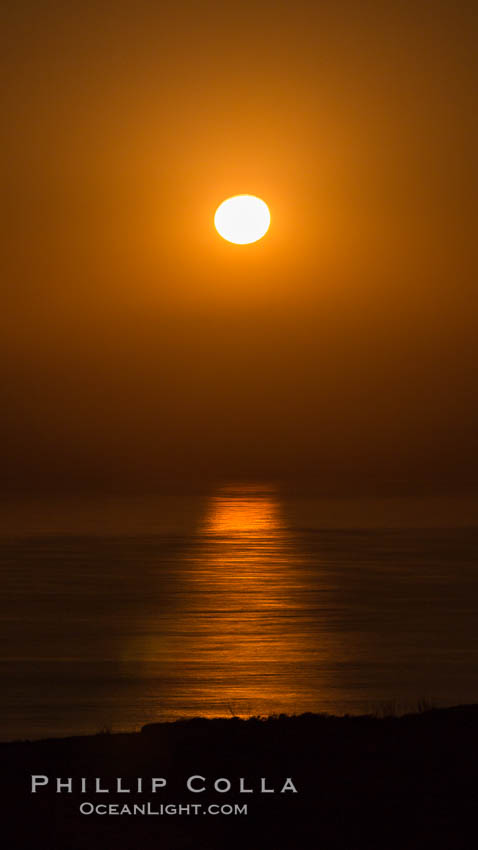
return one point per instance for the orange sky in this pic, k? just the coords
(138, 345)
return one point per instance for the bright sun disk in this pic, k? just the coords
(242, 219)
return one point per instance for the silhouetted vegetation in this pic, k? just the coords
(391, 783)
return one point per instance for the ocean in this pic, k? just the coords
(241, 602)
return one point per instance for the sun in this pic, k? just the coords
(242, 219)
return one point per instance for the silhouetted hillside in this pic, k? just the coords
(407, 783)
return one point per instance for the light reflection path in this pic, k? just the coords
(250, 622)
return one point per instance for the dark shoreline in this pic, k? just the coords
(362, 782)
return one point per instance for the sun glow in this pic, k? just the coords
(242, 219)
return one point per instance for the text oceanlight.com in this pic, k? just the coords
(88, 808)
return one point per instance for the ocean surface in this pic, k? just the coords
(237, 602)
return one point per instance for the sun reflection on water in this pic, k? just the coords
(244, 575)
(245, 514)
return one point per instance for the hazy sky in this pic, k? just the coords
(136, 345)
